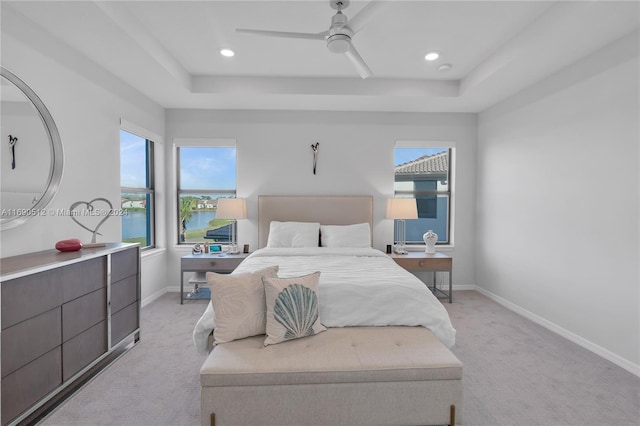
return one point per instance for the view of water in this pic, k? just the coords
(200, 220)
(134, 224)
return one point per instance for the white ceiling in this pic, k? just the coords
(168, 50)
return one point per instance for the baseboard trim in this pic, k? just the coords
(154, 296)
(462, 287)
(581, 341)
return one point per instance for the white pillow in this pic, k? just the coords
(293, 234)
(358, 235)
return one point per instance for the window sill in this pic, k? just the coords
(147, 254)
(422, 248)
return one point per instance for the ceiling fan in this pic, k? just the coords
(340, 33)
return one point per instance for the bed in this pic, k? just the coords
(376, 351)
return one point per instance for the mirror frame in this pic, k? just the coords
(55, 143)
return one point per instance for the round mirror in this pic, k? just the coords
(30, 153)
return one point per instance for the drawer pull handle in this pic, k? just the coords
(212, 263)
(421, 264)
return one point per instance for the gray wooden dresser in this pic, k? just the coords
(62, 315)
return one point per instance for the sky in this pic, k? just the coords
(207, 168)
(200, 167)
(404, 155)
(132, 160)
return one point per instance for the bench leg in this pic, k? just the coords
(212, 419)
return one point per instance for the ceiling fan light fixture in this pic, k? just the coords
(227, 53)
(339, 43)
(431, 56)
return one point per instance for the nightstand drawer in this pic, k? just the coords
(427, 264)
(213, 264)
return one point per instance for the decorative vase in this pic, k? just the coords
(430, 238)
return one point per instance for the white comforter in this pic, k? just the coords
(358, 287)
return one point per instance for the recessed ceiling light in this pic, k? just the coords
(227, 52)
(432, 56)
(444, 67)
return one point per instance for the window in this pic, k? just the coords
(137, 192)
(205, 174)
(424, 174)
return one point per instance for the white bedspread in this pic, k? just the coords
(358, 287)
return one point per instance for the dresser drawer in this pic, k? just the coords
(83, 278)
(80, 314)
(83, 349)
(29, 296)
(124, 293)
(25, 386)
(123, 264)
(29, 339)
(123, 323)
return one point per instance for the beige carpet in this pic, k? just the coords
(515, 373)
(519, 373)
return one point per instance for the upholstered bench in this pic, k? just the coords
(343, 376)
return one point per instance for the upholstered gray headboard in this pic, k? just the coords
(325, 209)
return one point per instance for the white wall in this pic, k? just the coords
(557, 213)
(87, 104)
(355, 157)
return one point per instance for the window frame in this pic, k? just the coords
(448, 194)
(149, 191)
(198, 143)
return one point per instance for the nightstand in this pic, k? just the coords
(436, 262)
(207, 262)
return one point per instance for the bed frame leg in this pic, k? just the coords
(452, 415)
(212, 419)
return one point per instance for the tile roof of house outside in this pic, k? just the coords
(428, 164)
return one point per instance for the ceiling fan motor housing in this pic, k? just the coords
(339, 43)
(339, 40)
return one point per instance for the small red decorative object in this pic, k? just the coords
(72, 244)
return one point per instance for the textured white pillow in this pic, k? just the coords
(358, 235)
(239, 304)
(292, 308)
(293, 234)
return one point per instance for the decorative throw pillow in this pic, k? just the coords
(292, 308)
(239, 304)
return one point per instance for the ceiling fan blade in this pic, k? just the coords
(358, 21)
(309, 36)
(358, 62)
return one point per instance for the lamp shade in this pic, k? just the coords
(402, 208)
(231, 208)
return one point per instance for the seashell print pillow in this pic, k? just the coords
(238, 304)
(292, 308)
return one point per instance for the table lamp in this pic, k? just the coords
(232, 208)
(401, 209)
